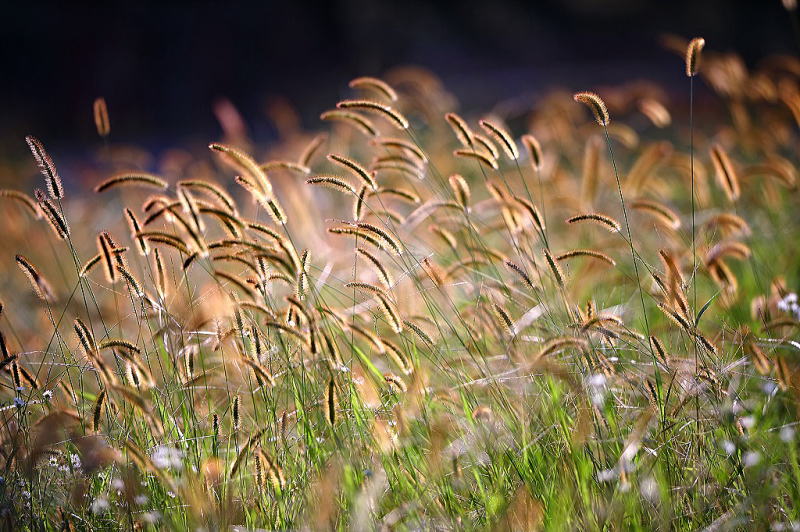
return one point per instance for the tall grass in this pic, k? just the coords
(402, 323)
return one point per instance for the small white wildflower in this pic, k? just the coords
(141, 500)
(598, 397)
(747, 422)
(117, 483)
(787, 434)
(76, 461)
(597, 380)
(649, 489)
(47, 395)
(19, 402)
(99, 505)
(151, 518)
(769, 387)
(26, 494)
(171, 495)
(729, 447)
(165, 457)
(751, 458)
(606, 475)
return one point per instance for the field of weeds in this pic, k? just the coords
(580, 315)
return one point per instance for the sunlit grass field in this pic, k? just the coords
(577, 316)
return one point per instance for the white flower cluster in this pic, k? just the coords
(789, 304)
(166, 457)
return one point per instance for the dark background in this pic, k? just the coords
(161, 65)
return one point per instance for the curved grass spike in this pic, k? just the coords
(482, 158)
(554, 268)
(460, 190)
(214, 190)
(420, 333)
(98, 410)
(355, 168)
(375, 85)
(105, 246)
(276, 211)
(25, 200)
(311, 149)
(360, 122)
(132, 179)
(383, 274)
(245, 163)
(534, 151)
(504, 318)
(135, 228)
(402, 144)
(463, 132)
(693, 55)
(533, 212)
(331, 402)
(660, 351)
(53, 215)
(596, 104)
(48, 168)
(382, 235)
(302, 275)
(334, 182)
(101, 121)
(502, 137)
(402, 362)
(400, 193)
(40, 286)
(726, 175)
(392, 115)
(606, 221)
(591, 253)
(285, 165)
(520, 272)
(118, 343)
(91, 263)
(487, 146)
(659, 211)
(556, 345)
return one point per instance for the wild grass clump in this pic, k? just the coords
(596, 331)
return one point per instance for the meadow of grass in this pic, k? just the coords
(581, 315)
